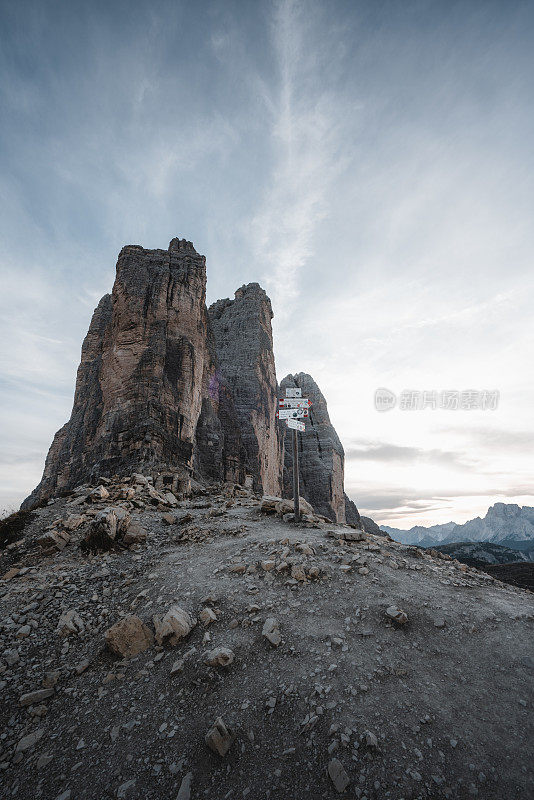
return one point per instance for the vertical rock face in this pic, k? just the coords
(65, 462)
(172, 390)
(244, 349)
(321, 457)
(352, 515)
(154, 371)
(146, 376)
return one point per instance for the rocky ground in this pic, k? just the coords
(222, 652)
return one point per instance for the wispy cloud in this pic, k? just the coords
(308, 149)
(365, 450)
(369, 163)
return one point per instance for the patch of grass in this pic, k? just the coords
(13, 526)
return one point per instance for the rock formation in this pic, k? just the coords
(321, 457)
(169, 389)
(146, 378)
(244, 347)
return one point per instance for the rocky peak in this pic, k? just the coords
(244, 350)
(504, 510)
(321, 457)
(144, 373)
(181, 244)
(171, 389)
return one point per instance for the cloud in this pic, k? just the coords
(369, 164)
(308, 155)
(364, 450)
(403, 508)
(499, 439)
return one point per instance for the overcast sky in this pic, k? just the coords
(369, 163)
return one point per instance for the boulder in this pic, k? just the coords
(278, 505)
(337, 775)
(219, 738)
(73, 521)
(52, 541)
(134, 535)
(69, 623)
(207, 616)
(397, 615)
(30, 698)
(128, 637)
(108, 526)
(98, 494)
(175, 625)
(286, 507)
(170, 498)
(219, 657)
(354, 536)
(271, 631)
(29, 741)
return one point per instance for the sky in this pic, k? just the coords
(369, 163)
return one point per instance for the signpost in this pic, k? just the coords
(293, 407)
(296, 424)
(301, 402)
(291, 413)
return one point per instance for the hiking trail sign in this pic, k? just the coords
(291, 413)
(296, 424)
(293, 407)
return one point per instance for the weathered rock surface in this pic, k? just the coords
(171, 390)
(175, 625)
(147, 394)
(402, 707)
(321, 457)
(370, 526)
(281, 506)
(338, 776)
(219, 738)
(219, 657)
(244, 346)
(128, 637)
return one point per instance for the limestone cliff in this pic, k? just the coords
(171, 389)
(244, 348)
(147, 374)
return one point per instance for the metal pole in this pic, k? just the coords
(296, 476)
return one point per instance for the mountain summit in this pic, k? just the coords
(185, 394)
(504, 523)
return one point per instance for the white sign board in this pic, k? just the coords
(293, 392)
(291, 413)
(301, 402)
(296, 424)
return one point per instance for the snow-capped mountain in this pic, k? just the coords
(504, 523)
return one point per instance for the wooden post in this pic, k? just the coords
(296, 490)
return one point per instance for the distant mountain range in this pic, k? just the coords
(505, 523)
(480, 554)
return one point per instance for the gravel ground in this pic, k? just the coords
(438, 707)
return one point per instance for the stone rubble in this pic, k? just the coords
(109, 686)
